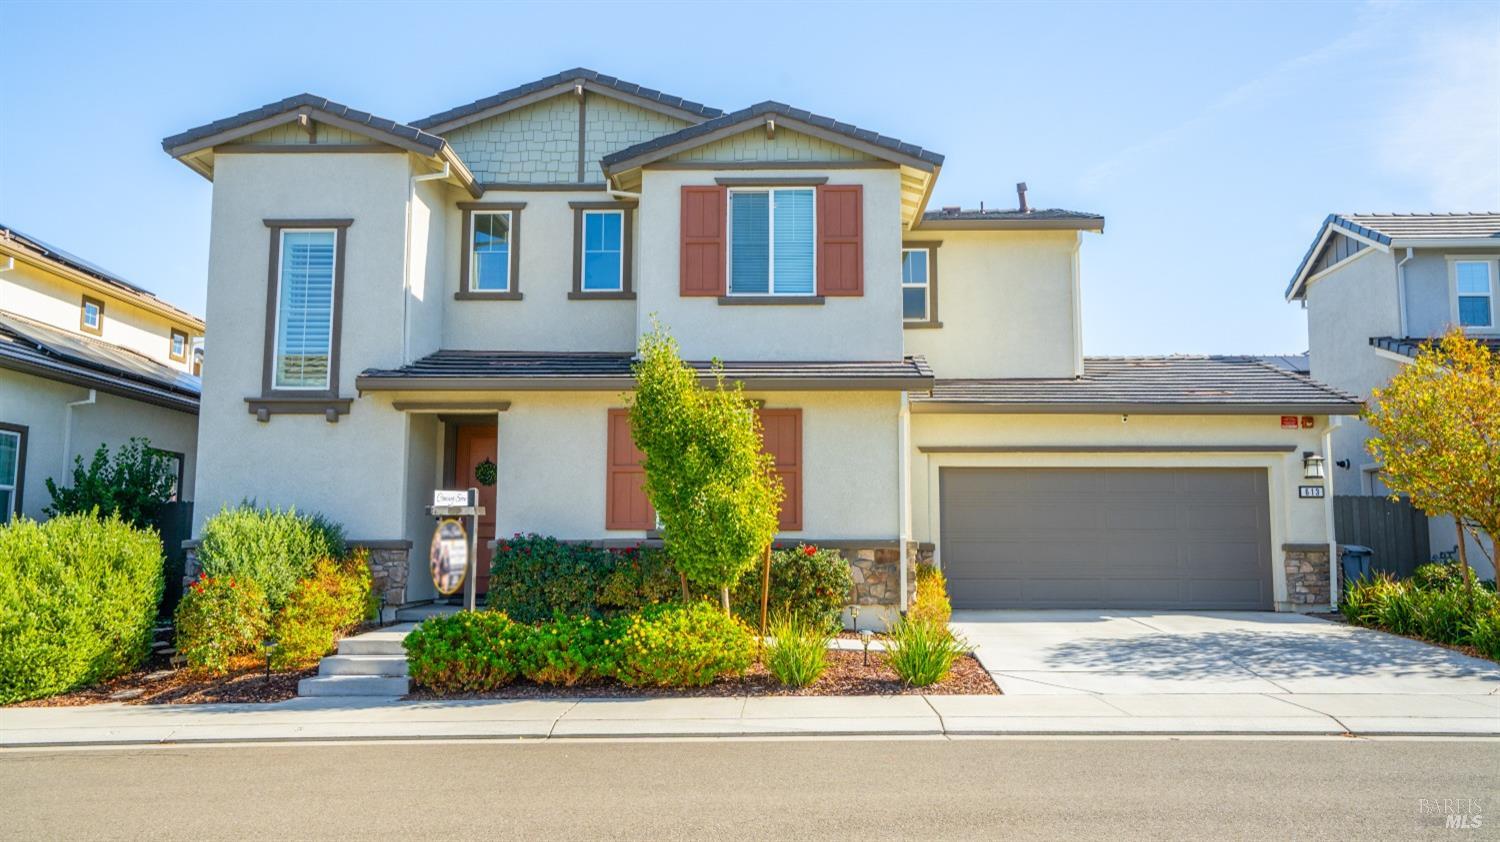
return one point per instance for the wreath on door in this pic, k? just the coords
(485, 472)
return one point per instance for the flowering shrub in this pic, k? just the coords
(810, 582)
(335, 599)
(275, 548)
(219, 619)
(536, 577)
(639, 577)
(467, 652)
(571, 650)
(682, 646)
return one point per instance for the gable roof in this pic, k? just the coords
(550, 86)
(1384, 231)
(1049, 218)
(45, 351)
(1174, 385)
(29, 245)
(319, 109)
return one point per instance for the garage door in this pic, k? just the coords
(1106, 538)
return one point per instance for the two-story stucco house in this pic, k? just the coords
(1375, 287)
(86, 358)
(398, 303)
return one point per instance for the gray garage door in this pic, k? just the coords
(1106, 538)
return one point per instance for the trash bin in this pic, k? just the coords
(1354, 563)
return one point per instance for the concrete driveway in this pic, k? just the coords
(1160, 652)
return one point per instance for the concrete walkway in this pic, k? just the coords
(353, 718)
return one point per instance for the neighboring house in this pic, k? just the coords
(403, 302)
(86, 358)
(1375, 287)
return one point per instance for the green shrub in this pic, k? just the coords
(811, 582)
(570, 651)
(335, 599)
(1433, 605)
(797, 652)
(1484, 632)
(275, 548)
(470, 651)
(536, 577)
(931, 603)
(1437, 575)
(922, 652)
(220, 619)
(639, 577)
(133, 485)
(683, 646)
(78, 601)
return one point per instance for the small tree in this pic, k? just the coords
(133, 486)
(1437, 435)
(712, 485)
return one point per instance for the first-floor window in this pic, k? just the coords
(304, 311)
(12, 457)
(772, 241)
(1476, 293)
(915, 276)
(603, 251)
(489, 258)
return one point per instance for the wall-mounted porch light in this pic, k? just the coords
(1312, 465)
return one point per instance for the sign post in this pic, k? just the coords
(454, 553)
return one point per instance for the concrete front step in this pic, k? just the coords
(353, 685)
(386, 641)
(391, 666)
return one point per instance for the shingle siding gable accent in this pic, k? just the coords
(753, 145)
(534, 144)
(291, 134)
(576, 74)
(611, 125)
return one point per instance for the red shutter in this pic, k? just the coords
(781, 431)
(841, 262)
(703, 240)
(625, 503)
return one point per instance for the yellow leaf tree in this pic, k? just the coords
(1437, 435)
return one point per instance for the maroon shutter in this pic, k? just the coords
(625, 502)
(841, 263)
(703, 240)
(781, 436)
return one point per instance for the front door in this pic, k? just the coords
(476, 445)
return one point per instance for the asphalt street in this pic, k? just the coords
(1304, 789)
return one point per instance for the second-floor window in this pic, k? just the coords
(603, 251)
(914, 285)
(772, 241)
(304, 312)
(490, 256)
(179, 346)
(91, 318)
(1475, 283)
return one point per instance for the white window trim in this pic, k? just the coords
(7, 515)
(926, 285)
(333, 281)
(770, 244)
(98, 314)
(583, 253)
(1492, 268)
(510, 227)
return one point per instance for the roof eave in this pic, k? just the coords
(76, 375)
(1446, 242)
(1095, 224)
(1133, 408)
(440, 122)
(387, 383)
(145, 302)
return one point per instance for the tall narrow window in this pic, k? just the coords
(179, 346)
(304, 311)
(91, 317)
(772, 242)
(603, 251)
(12, 469)
(489, 259)
(1476, 293)
(914, 285)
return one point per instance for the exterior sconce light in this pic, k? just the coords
(1312, 465)
(1343, 463)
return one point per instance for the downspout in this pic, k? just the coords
(1401, 289)
(1334, 422)
(903, 493)
(618, 194)
(411, 200)
(1077, 292)
(68, 425)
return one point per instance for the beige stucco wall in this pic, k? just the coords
(866, 327)
(43, 296)
(41, 406)
(1006, 303)
(545, 319)
(1293, 520)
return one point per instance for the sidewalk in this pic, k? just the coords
(344, 718)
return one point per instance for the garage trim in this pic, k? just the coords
(1124, 448)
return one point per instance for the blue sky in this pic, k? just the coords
(1213, 137)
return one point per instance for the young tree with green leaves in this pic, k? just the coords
(133, 485)
(1437, 435)
(706, 473)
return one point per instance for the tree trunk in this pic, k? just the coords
(685, 598)
(765, 592)
(1463, 559)
(724, 597)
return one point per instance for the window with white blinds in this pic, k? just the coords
(12, 445)
(772, 241)
(304, 312)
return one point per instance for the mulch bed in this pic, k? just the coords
(847, 675)
(159, 684)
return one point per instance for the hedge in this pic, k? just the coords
(275, 548)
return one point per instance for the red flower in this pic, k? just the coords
(810, 551)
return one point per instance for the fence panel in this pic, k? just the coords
(1394, 529)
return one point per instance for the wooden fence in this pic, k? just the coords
(1395, 530)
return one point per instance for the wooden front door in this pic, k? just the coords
(477, 443)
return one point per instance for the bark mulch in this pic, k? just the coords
(159, 684)
(846, 676)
